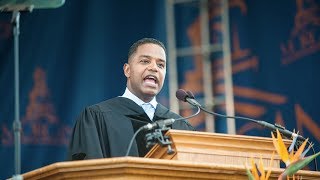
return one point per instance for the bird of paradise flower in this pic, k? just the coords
(294, 161)
(257, 172)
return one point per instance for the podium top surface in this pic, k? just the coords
(145, 168)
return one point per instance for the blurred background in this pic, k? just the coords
(257, 59)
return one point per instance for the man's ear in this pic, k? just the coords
(126, 70)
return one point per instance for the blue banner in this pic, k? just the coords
(275, 58)
(70, 57)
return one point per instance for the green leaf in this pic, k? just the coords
(250, 176)
(296, 166)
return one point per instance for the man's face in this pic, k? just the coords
(146, 71)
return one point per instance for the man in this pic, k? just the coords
(105, 129)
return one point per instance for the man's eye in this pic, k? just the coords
(161, 66)
(144, 60)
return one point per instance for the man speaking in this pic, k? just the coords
(105, 129)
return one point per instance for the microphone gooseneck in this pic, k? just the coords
(133, 137)
(189, 97)
(167, 122)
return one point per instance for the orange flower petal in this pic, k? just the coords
(261, 169)
(275, 143)
(254, 169)
(270, 166)
(283, 149)
(300, 150)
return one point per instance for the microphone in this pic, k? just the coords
(190, 94)
(189, 97)
(281, 129)
(166, 122)
(159, 124)
(29, 5)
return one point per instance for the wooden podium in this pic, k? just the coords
(217, 148)
(198, 155)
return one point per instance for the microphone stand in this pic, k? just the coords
(157, 136)
(153, 138)
(16, 124)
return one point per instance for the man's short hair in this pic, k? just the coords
(143, 41)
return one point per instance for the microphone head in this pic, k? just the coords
(181, 95)
(190, 94)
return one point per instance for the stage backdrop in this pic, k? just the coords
(72, 57)
(275, 53)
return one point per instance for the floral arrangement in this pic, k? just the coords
(294, 161)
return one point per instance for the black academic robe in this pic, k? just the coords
(105, 129)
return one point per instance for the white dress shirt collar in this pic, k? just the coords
(130, 95)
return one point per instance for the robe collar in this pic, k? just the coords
(130, 108)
